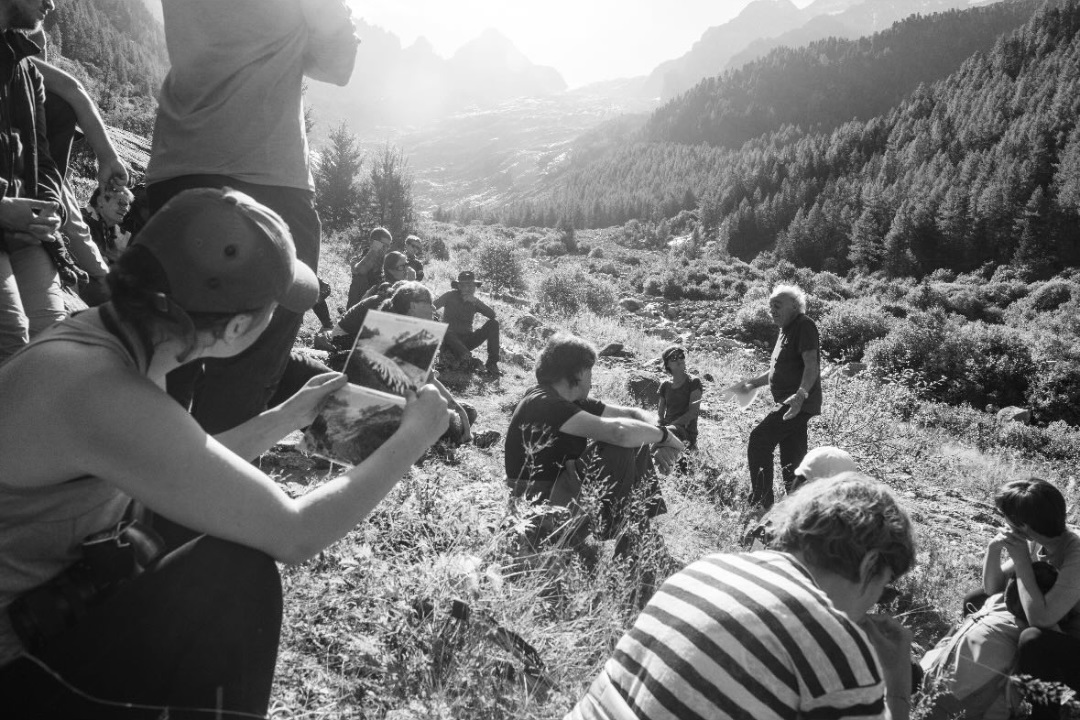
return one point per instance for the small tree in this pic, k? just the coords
(501, 264)
(387, 193)
(337, 190)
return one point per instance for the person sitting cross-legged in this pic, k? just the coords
(461, 305)
(560, 439)
(775, 634)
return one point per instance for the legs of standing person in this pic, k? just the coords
(233, 390)
(774, 430)
(39, 289)
(1050, 656)
(199, 629)
(792, 448)
(322, 312)
(14, 328)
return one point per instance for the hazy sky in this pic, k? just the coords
(585, 40)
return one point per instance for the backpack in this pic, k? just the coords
(969, 670)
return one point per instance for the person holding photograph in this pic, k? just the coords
(86, 428)
(794, 378)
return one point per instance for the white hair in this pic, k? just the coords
(792, 291)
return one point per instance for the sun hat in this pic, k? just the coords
(465, 276)
(221, 252)
(824, 462)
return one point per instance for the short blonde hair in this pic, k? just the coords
(792, 291)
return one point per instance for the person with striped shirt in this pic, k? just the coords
(780, 633)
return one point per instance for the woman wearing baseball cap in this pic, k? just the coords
(86, 427)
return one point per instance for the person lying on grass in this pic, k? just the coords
(86, 428)
(560, 438)
(1034, 514)
(779, 633)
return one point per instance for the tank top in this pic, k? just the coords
(41, 528)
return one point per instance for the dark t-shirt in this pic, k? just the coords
(353, 319)
(417, 265)
(785, 373)
(535, 449)
(677, 401)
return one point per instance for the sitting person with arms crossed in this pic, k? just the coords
(86, 427)
(461, 306)
(559, 438)
(1034, 513)
(780, 633)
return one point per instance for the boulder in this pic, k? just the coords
(526, 323)
(546, 331)
(614, 349)
(519, 358)
(645, 389)
(609, 268)
(852, 369)
(662, 332)
(1014, 414)
(630, 304)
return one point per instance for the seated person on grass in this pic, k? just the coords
(368, 269)
(559, 438)
(86, 427)
(780, 633)
(394, 270)
(680, 397)
(103, 215)
(1034, 514)
(414, 250)
(461, 305)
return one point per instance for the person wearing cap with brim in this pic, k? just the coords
(86, 427)
(680, 396)
(460, 307)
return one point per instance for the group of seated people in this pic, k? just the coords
(94, 455)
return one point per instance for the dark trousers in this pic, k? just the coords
(1049, 656)
(774, 430)
(199, 629)
(225, 392)
(60, 122)
(462, 344)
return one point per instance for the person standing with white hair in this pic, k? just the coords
(794, 378)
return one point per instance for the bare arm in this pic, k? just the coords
(995, 572)
(454, 406)
(616, 430)
(1045, 610)
(111, 169)
(811, 372)
(756, 382)
(332, 41)
(626, 411)
(129, 433)
(254, 437)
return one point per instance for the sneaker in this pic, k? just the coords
(486, 438)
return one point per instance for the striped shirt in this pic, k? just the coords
(739, 636)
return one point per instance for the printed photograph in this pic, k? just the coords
(353, 423)
(394, 353)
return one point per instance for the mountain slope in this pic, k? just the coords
(983, 166)
(832, 81)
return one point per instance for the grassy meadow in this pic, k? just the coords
(373, 626)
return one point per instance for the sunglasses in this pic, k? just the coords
(676, 356)
(399, 267)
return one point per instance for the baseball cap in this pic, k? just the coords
(824, 462)
(223, 252)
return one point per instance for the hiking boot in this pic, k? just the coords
(492, 368)
(486, 438)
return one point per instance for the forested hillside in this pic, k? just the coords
(117, 48)
(981, 166)
(832, 81)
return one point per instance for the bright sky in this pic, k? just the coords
(585, 40)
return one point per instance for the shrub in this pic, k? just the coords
(958, 363)
(1054, 393)
(848, 326)
(500, 263)
(1051, 295)
(569, 293)
(437, 248)
(597, 253)
(551, 248)
(754, 325)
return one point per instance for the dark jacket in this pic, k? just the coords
(25, 164)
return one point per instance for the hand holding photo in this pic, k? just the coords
(394, 353)
(353, 423)
(740, 393)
